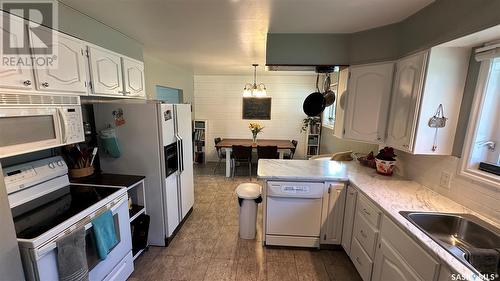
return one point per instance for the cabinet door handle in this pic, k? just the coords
(359, 261)
(352, 193)
(366, 212)
(45, 84)
(27, 83)
(363, 233)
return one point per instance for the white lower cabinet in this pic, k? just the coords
(349, 212)
(333, 213)
(399, 257)
(382, 251)
(390, 266)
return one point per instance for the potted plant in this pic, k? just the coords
(385, 161)
(311, 122)
(255, 128)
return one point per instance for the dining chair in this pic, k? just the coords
(267, 152)
(292, 150)
(241, 154)
(221, 154)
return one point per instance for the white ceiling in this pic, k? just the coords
(227, 36)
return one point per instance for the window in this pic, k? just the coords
(329, 112)
(481, 155)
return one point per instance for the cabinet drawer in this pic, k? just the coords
(368, 211)
(365, 234)
(361, 261)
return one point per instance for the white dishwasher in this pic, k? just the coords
(293, 213)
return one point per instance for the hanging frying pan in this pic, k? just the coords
(329, 94)
(314, 103)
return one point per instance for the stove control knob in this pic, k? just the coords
(60, 163)
(52, 165)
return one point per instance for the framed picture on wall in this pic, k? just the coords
(257, 108)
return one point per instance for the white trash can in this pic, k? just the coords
(249, 195)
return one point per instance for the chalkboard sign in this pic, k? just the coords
(257, 108)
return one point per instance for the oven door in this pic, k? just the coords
(29, 129)
(45, 258)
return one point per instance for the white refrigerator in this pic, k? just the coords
(155, 141)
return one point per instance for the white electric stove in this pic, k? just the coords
(45, 207)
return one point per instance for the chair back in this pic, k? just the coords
(294, 142)
(216, 141)
(267, 152)
(242, 152)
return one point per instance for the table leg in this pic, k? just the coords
(228, 162)
(282, 153)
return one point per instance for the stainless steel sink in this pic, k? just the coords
(457, 233)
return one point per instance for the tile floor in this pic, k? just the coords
(208, 247)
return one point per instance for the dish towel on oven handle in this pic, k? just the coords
(72, 257)
(104, 233)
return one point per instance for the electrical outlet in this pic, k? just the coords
(445, 179)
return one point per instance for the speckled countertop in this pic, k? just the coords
(390, 194)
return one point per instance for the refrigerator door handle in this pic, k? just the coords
(179, 158)
(182, 154)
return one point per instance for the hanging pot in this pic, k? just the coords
(329, 94)
(314, 103)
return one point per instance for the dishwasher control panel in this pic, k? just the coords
(295, 189)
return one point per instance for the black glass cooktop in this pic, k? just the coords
(40, 215)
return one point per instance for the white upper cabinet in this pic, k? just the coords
(405, 97)
(15, 77)
(368, 95)
(423, 82)
(68, 72)
(133, 78)
(106, 72)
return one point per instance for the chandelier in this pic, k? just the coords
(254, 90)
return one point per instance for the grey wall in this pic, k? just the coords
(86, 28)
(303, 49)
(439, 22)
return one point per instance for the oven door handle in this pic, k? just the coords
(45, 249)
(63, 125)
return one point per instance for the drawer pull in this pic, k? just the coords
(357, 260)
(366, 212)
(363, 233)
(352, 193)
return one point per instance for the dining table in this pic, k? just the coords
(227, 144)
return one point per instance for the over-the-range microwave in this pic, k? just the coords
(34, 122)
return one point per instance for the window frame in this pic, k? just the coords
(470, 138)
